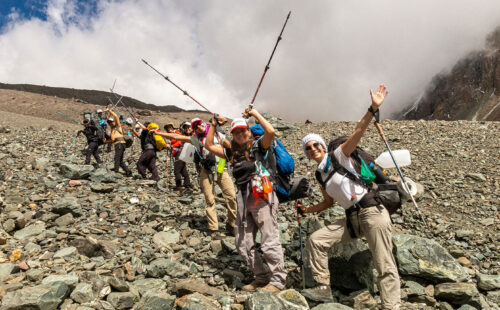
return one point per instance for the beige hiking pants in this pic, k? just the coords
(226, 185)
(375, 226)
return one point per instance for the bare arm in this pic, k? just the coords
(325, 204)
(217, 150)
(377, 99)
(268, 137)
(173, 136)
(117, 119)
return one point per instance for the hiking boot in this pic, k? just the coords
(321, 293)
(271, 289)
(215, 235)
(253, 286)
(128, 173)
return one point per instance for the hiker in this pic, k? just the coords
(118, 140)
(256, 211)
(147, 160)
(365, 217)
(103, 122)
(90, 132)
(209, 176)
(180, 166)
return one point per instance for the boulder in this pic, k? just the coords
(165, 238)
(102, 188)
(291, 299)
(30, 231)
(185, 287)
(82, 293)
(66, 252)
(488, 282)
(121, 300)
(156, 300)
(456, 293)
(42, 297)
(75, 172)
(67, 205)
(331, 306)
(69, 279)
(264, 300)
(148, 284)
(425, 258)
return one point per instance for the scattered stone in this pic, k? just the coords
(70, 280)
(75, 172)
(42, 297)
(66, 252)
(264, 300)
(197, 301)
(488, 282)
(185, 287)
(456, 293)
(165, 238)
(156, 301)
(82, 293)
(331, 306)
(68, 205)
(30, 231)
(121, 300)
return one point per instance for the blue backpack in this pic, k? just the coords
(281, 166)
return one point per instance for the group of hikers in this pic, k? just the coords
(254, 206)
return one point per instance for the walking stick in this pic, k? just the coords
(269, 62)
(299, 219)
(403, 181)
(68, 117)
(166, 181)
(67, 150)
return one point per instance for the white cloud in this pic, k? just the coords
(332, 52)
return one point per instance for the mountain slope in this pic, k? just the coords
(471, 91)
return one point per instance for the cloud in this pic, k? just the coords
(332, 52)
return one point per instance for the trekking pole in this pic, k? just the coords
(177, 86)
(68, 117)
(166, 181)
(299, 219)
(269, 62)
(403, 181)
(67, 150)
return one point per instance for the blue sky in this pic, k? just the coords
(30, 9)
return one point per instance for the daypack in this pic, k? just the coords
(281, 165)
(385, 191)
(160, 143)
(96, 122)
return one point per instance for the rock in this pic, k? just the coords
(40, 163)
(425, 258)
(9, 225)
(42, 297)
(91, 247)
(118, 285)
(68, 205)
(331, 306)
(156, 301)
(82, 293)
(102, 188)
(64, 220)
(30, 231)
(75, 172)
(197, 301)
(488, 282)
(121, 300)
(69, 279)
(185, 287)
(148, 284)
(464, 261)
(293, 300)
(34, 275)
(494, 296)
(165, 238)
(216, 246)
(477, 177)
(351, 266)
(66, 252)
(102, 175)
(163, 266)
(8, 269)
(264, 300)
(456, 293)
(360, 300)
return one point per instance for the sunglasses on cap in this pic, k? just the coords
(315, 144)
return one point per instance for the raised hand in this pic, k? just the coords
(379, 96)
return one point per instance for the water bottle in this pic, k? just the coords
(221, 165)
(266, 184)
(402, 157)
(381, 177)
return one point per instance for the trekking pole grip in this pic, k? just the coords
(380, 130)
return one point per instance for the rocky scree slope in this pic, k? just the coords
(83, 237)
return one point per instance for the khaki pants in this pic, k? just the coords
(259, 215)
(375, 225)
(226, 185)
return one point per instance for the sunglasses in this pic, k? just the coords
(315, 145)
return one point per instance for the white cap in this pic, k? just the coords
(129, 121)
(99, 111)
(313, 137)
(239, 123)
(195, 120)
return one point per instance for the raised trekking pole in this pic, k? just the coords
(166, 180)
(403, 181)
(299, 219)
(269, 61)
(70, 118)
(67, 150)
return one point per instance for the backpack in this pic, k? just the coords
(281, 165)
(96, 122)
(384, 191)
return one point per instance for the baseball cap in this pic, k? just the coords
(239, 123)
